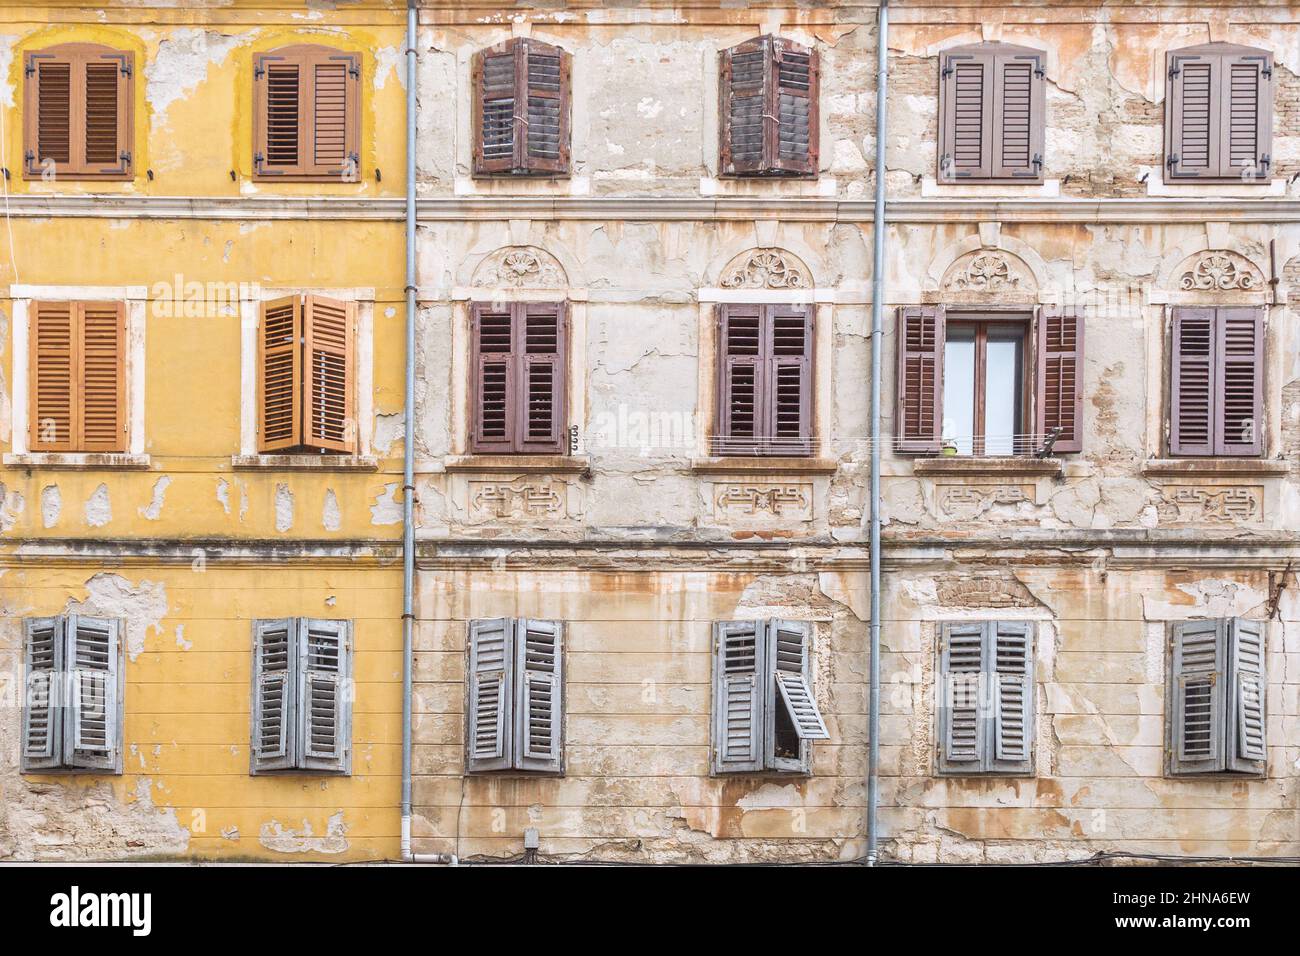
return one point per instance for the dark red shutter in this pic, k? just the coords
(522, 108)
(768, 90)
(540, 370)
(545, 101)
(765, 380)
(742, 410)
(1192, 405)
(494, 80)
(789, 419)
(920, 379)
(743, 91)
(1059, 399)
(493, 369)
(1239, 379)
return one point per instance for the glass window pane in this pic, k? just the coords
(959, 388)
(1002, 390)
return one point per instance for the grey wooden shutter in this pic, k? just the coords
(991, 114)
(489, 724)
(1059, 368)
(1010, 669)
(962, 706)
(324, 695)
(785, 742)
(275, 693)
(1017, 144)
(1247, 114)
(91, 738)
(1239, 381)
(43, 693)
(1192, 115)
(541, 371)
(1247, 742)
(739, 662)
(966, 115)
(1192, 405)
(742, 395)
(789, 379)
(539, 696)
(1219, 113)
(1197, 697)
(920, 345)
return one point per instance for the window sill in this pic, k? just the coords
(957, 465)
(518, 464)
(1215, 467)
(1233, 188)
(764, 466)
(78, 461)
(931, 188)
(305, 462)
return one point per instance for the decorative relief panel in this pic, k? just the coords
(1220, 271)
(520, 267)
(1213, 504)
(522, 498)
(964, 502)
(766, 269)
(752, 499)
(988, 271)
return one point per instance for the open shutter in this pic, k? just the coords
(1247, 744)
(743, 85)
(79, 108)
(1197, 697)
(1193, 409)
(54, 350)
(90, 738)
(1246, 115)
(324, 695)
(742, 395)
(1239, 381)
(961, 707)
(1018, 116)
(920, 378)
(541, 329)
(102, 376)
(489, 732)
(545, 101)
(43, 693)
(275, 694)
(786, 745)
(739, 661)
(493, 412)
(1059, 398)
(966, 116)
(280, 374)
(1011, 684)
(789, 380)
(494, 80)
(794, 82)
(334, 117)
(539, 696)
(329, 363)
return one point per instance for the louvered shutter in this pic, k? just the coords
(493, 414)
(1219, 113)
(279, 116)
(1193, 409)
(307, 114)
(920, 378)
(1247, 743)
(1239, 380)
(742, 396)
(334, 99)
(991, 114)
(1010, 680)
(43, 693)
(1247, 115)
(1018, 116)
(324, 704)
(791, 693)
(102, 376)
(495, 93)
(539, 696)
(1197, 697)
(329, 416)
(743, 84)
(1059, 399)
(789, 379)
(962, 708)
(739, 667)
(54, 350)
(1193, 116)
(90, 735)
(545, 135)
(768, 92)
(795, 93)
(280, 374)
(489, 735)
(275, 693)
(522, 107)
(540, 329)
(966, 117)
(79, 109)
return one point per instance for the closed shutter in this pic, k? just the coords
(991, 111)
(795, 85)
(743, 83)
(546, 93)
(275, 693)
(78, 376)
(742, 398)
(1018, 117)
(280, 374)
(102, 376)
(522, 106)
(1247, 744)
(539, 702)
(1059, 398)
(966, 125)
(789, 380)
(493, 366)
(765, 380)
(54, 351)
(324, 695)
(961, 706)
(768, 90)
(90, 738)
(920, 379)
(329, 416)
(79, 109)
(1239, 380)
(490, 732)
(1247, 115)
(1011, 684)
(740, 669)
(1219, 113)
(307, 114)
(519, 389)
(494, 82)
(1197, 697)
(43, 698)
(1193, 409)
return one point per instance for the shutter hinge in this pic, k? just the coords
(1265, 161)
(948, 70)
(126, 158)
(258, 159)
(354, 71)
(126, 68)
(1172, 161)
(1038, 161)
(31, 69)
(1268, 71)
(1174, 71)
(29, 158)
(1040, 72)
(259, 71)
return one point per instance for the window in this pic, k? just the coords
(1217, 382)
(521, 109)
(519, 376)
(764, 713)
(306, 376)
(515, 696)
(1215, 717)
(78, 107)
(768, 109)
(1219, 114)
(764, 402)
(77, 379)
(302, 696)
(986, 713)
(966, 382)
(72, 703)
(991, 114)
(307, 115)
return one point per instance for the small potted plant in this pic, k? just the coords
(949, 448)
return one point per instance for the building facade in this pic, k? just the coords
(644, 264)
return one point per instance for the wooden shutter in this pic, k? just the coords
(1193, 409)
(522, 107)
(324, 706)
(1197, 697)
(280, 374)
(791, 694)
(539, 700)
(765, 380)
(991, 114)
(1009, 658)
(329, 374)
(494, 379)
(307, 114)
(275, 692)
(54, 351)
(740, 651)
(489, 725)
(541, 330)
(742, 85)
(545, 89)
(78, 376)
(789, 379)
(43, 697)
(494, 82)
(920, 379)
(742, 397)
(1239, 382)
(768, 89)
(961, 707)
(1219, 113)
(794, 87)
(1247, 749)
(1018, 116)
(79, 108)
(91, 733)
(1247, 115)
(1059, 398)
(102, 376)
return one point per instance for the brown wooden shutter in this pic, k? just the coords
(1192, 406)
(494, 84)
(329, 418)
(991, 114)
(79, 109)
(493, 370)
(78, 377)
(795, 84)
(1219, 113)
(966, 117)
(54, 355)
(920, 379)
(1059, 367)
(765, 380)
(768, 95)
(1247, 111)
(307, 115)
(790, 376)
(1018, 116)
(540, 328)
(522, 106)
(280, 374)
(102, 376)
(1239, 380)
(546, 97)
(742, 404)
(742, 86)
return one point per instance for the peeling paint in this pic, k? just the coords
(141, 607)
(152, 511)
(99, 509)
(282, 839)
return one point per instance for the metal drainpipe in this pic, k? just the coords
(408, 455)
(877, 343)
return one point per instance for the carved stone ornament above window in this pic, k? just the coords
(766, 269)
(1221, 272)
(988, 270)
(520, 267)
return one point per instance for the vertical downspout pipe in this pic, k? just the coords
(408, 454)
(877, 345)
